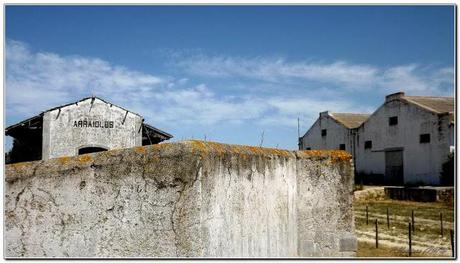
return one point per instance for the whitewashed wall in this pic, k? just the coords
(63, 135)
(336, 134)
(422, 161)
(187, 199)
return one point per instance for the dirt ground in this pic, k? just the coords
(427, 240)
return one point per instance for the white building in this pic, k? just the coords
(333, 131)
(405, 141)
(89, 125)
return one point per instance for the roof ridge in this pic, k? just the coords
(349, 113)
(428, 96)
(427, 107)
(354, 120)
(90, 97)
(68, 104)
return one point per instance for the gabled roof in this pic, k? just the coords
(434, 104)
(39, 116)
(87, 98)
(38, 119)
(150, 129)
(349, 120)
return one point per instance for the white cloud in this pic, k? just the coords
(36, 81)
(277, 69)
(339, 74)
(41, 80)
(417, 80)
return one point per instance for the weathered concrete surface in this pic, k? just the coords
(188, 199)
(89, 123)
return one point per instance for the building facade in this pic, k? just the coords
(333, 131)
(405, 141)
(88, 125)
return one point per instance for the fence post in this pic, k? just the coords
(413, 223)
(388, 219)
(442, 228)
(376, 234)
(367, 215)
(410, 240)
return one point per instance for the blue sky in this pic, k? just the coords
(227, 72)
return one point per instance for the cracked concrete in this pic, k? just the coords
(187, 199)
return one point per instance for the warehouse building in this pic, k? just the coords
(88, 125)
(405, 141)
(333, 131)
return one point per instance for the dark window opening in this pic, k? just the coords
(91, 150)
(308, 148)
(342, 146)
(425, 138)
(368, 145)
(323, 132)
(393, 120)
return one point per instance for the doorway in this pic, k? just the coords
(394, 168)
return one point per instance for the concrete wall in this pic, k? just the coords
(422, 161)
(336, 134)
(64, 134)
(189, 199)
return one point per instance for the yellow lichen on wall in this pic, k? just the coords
(199, 147)
(335, 155)
(156, 152)
(85, 158)
(18, 166)
(63, 160)
(140, 149)
(220, 149)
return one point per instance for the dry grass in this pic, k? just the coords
(366, 249)
(393, 241)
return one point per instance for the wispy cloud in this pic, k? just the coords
(38, 80)
(418, 80)
(411, 78)
(210, 91)
(277, 69)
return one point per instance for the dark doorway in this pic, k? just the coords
(394, 169)
(91, 150)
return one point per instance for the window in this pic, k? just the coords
(393, 120)
(342, 146)
(368, 145)
(90, 150)
(308, 148)
(323, 132)
(425, 138)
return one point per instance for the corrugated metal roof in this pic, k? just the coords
(434, 104)
(350, 120)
